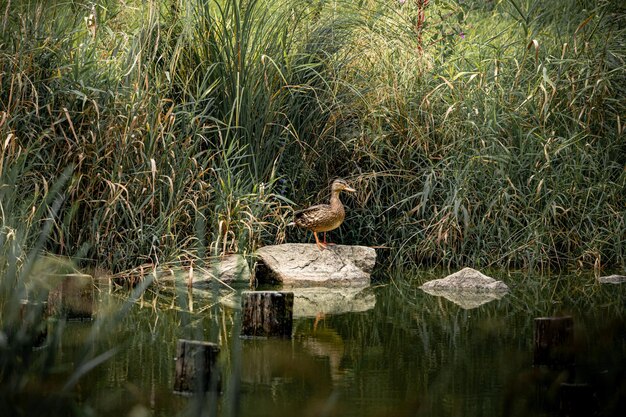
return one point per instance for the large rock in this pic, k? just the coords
(612, 279)
(302, 264)
(467, 288)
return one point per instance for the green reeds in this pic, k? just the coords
(501, 145)
(493, 137)
(175, 120)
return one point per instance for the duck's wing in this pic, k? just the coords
(305, 217)
(312, 209)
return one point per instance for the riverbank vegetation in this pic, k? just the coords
(488, 134)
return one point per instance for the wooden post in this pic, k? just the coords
(195, 367)
(73, 298)
(554, 341)
(33, 316)
(266, 314)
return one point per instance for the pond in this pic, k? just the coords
(389, 350)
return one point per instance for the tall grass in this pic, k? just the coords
(31, 358)
(490, 134)
(501, 145)
(174, 120)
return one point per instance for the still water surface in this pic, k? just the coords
(390, 350)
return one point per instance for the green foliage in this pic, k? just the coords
(501, 146)
(490, 134)
(173, 133)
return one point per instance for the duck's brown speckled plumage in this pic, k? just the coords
(324, 217)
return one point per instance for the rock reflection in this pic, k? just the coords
(466, 299)
(314, 301)
(311, 302)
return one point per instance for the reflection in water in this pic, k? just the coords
(466, 299)
(311, 302)
(325, 342)
(404, 353)
(315, 301)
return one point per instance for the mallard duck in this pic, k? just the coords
(324, 217)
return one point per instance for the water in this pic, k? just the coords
(390, 350)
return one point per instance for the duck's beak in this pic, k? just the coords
(352, 190)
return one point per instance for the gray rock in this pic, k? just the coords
(229, 269)
(302, 264)
(467, 288)
(612, 279)
(232, 268)
(467, 279)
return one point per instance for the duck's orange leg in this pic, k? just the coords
(326, 243)
(319, 244)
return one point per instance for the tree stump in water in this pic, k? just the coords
(33, 316)
(266, 314)
(554, 341)
(195, 367)
(73, 298)
(576, 399)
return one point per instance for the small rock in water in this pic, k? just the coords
(612, 279)
(466, 279)
(467, 288)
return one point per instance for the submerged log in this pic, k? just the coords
(302, 264)
(554, 341)
(196, 367)
(266, 314)
(73, 298)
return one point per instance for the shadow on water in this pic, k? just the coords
(396, 351)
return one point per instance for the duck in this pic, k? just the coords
(324, 217)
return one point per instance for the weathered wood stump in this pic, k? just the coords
(195, 367)
(554, 341)
(33, 316)
(73, 298)
(266, 313)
